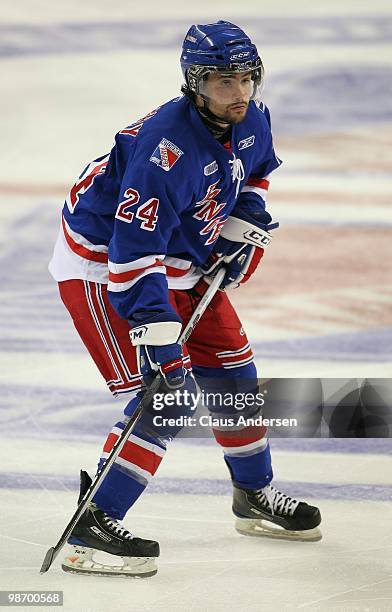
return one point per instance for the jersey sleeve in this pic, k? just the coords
(253, 196)
(147, 214)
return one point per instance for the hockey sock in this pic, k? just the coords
(130, 473)
(140, 457)
(246, 450)
(252, 471)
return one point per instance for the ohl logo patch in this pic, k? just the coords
(166, 154)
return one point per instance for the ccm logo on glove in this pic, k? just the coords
(240, 247)
(157, 349)
(258, 238)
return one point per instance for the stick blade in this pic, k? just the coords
(47, 562)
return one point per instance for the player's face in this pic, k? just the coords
(228, 95)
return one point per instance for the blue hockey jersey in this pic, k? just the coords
(145, 217)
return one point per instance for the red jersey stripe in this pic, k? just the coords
(257, 182)
(83, 251)
(170, 271)
(123, 277)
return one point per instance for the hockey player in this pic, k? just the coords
(181, 193)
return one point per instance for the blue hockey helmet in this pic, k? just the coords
(219, 47)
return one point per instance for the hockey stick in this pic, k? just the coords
(145, 401)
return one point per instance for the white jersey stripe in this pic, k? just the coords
(101, 334)
(224, 354)
(235, 355)
(116, 392)
(143, 262)
(187, 281)
(174, 262)
(113, 338)
(118, 287)
(257, 190)
(236, 364)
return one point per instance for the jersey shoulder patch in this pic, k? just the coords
(166, 154)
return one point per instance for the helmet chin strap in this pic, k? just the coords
(206, 111)
(217, 126)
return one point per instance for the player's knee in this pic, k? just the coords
(228, 392)
(247, 371)
(168, 412)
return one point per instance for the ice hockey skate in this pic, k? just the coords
(268, 512)
(95, 534)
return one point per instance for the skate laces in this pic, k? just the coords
(277, 501)
(237, 172)
(117, 528)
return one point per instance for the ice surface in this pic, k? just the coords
(72, 74)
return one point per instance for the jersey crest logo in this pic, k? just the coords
(166, 154)
(247, 142)
(209, 210)
(210, 168)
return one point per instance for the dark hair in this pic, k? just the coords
(186, 90)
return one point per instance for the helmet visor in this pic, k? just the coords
(231, 85)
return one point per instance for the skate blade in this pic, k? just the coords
(260, 528)
(82, 561)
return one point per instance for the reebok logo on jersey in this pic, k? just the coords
(210, 168)
(247, 142)
(166, 154)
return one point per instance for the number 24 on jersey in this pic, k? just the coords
(146, 213)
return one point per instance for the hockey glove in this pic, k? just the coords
(157, 349)
(240, 247)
